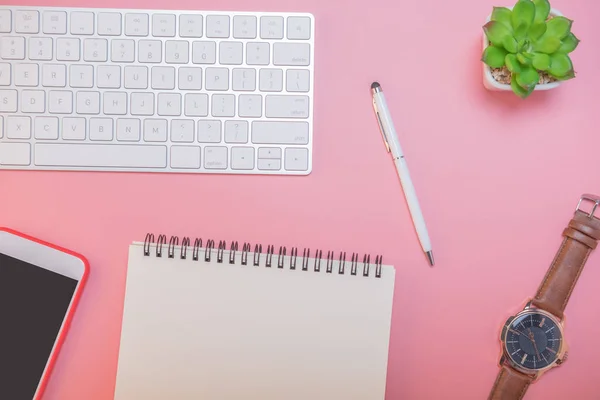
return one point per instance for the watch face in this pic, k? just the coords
(533, 340)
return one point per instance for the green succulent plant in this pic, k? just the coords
(528, 41)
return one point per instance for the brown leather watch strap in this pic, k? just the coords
(510, 385)
(580, 238)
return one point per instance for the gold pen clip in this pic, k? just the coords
(387, 146)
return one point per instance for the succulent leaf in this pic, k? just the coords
(512, 63)
(494, 56)
(568, 44)
(517, 89)
(522, 59)
(541, 61)
(527, 78)
(547, 44)
(496, 32)
(542, 10)
(502, 14)
(537, 30)
(558, 27)
(560, 65)
(522, 15)
(510, 44)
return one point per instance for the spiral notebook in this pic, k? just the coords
(208, 321)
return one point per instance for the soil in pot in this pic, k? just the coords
(502, 75)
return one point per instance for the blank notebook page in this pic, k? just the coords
(197, 329)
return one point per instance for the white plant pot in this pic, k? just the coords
(491, 84)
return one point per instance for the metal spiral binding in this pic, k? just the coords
(280, 261)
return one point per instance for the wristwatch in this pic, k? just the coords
(532, 341)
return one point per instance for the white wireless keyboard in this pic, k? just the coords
(156, 90)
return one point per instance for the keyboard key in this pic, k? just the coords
(217, 79)
(88, 102)
(190, 78)
(81, 76)
(236, 131)
(101, 129)
(60, 102)
(5, 21)
(286, 106)
(204, 52)
(217, 26)
(142, 103)
(82, 23)
(40, 48)
(163, 25)
(244, 79)
(250, 105)
(67, 49)
(73, 128)
(298, 28)
(155, 130)
(18, 127)
(26, 74)
(95, 50)
(177, 52)
(169, 104)
(128, 129)
(230, 53)
(182, 130)
(269, 164)
(291, 54)
(54, 22)
(5, 74)
(257, 53)
(244, 27)
(296, 159)
(271, 27)
(297, 80)
(136, 24)
(242, 158)
(269, 152)
(46, 128)
(190, 26)
(163, 78)
(122, 50)
(209, 131)
(15, 154)
(115, 103)
(223, 105)
(1, 126)
(109, 24)
(12, 48)
(33, 101)
(196, 105)
(108, 77)
(8, 101)
(100, 155)
(215, 157)
(271, 80)
(150, 51)
(136, 77)
(27, 21)
(279, 132)
(185, 157)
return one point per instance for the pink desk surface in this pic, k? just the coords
(498, 179)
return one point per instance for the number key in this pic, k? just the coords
(12, 48)
(177, 52)
(95, 50)
(150, 51)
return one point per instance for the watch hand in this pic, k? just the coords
(531, 337)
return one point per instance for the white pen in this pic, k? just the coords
(392, 144)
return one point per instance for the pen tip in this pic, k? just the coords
(430, 258)
(375, 85)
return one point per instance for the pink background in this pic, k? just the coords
(498, 179)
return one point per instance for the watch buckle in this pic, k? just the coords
(591, 198)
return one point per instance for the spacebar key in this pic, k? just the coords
(100, 155)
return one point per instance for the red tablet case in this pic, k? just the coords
(76, 297)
